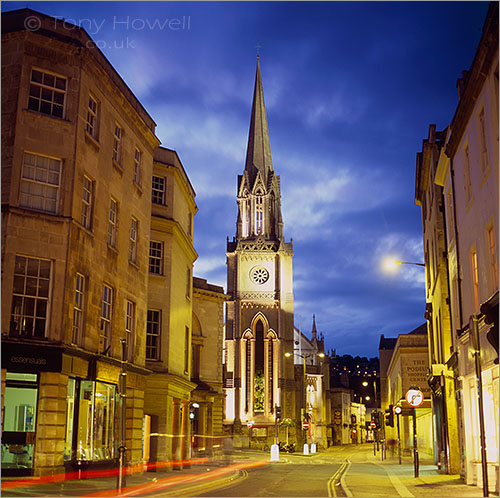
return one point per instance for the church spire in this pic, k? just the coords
(314, 331)
(259, 147)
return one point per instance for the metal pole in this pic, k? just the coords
(123, 395)
(399, 440)
(305, 397)
(445, 425)
(275, 424)
(415, 450)
(382, 443)
(477, 355)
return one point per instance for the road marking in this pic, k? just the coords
(331, 482)
(342, 480)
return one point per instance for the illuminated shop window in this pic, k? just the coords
(98, 421)
(19, 421)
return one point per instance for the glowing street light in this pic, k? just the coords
(390, 264)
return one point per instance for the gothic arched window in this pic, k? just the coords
(259, 211)
(259, 383)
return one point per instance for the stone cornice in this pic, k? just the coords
(168, 225)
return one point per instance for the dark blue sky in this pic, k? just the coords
(350, 90)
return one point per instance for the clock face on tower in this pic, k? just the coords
(259, 275)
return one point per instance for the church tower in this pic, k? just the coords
(259, 321)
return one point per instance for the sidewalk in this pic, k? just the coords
(367, 475)
(168, 483)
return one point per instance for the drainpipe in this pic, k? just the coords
(459, 278)
(443, 380)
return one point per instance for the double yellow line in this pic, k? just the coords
(332, 482)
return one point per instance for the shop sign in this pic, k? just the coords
(31, 358)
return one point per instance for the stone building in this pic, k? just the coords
(467, 173)
(259, 325)
(312, 385)
(170, 308)
(97, 266)
(407, 367)
(207, 399)
(77, 159)
(340, 402)
(443, 363)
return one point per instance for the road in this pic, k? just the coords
(283, 479)
(347, 471)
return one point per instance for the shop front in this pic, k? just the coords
(93, 422)
(61, 410)
(24, 371)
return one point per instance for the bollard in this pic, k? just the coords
(313, 448)
(275, 453)
(306, 449)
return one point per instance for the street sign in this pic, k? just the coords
(414, 397)
(249, 424)
(305, 425)
(373, 424)
(397, 410)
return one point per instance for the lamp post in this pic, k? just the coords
(474, 329)
(390, 265)
(305, 356)
(123, 395)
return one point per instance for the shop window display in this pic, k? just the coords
(18, 436)
(92, 421)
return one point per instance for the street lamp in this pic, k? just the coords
(390, 264)
(305, 356)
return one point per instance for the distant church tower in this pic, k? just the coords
(259, 321)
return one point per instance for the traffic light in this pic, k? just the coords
(278, 412)
(193, 411)
(389, 416)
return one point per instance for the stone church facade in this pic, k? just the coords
(259, 322)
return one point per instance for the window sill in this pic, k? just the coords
(88, 231)
(113, 249)
(134, 264)
(156, 274)
(469, 205)
(138, 187)
(90, 139)
(42, 114)
(118, 166)
(486, 173)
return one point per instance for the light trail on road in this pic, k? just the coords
(161, 484)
